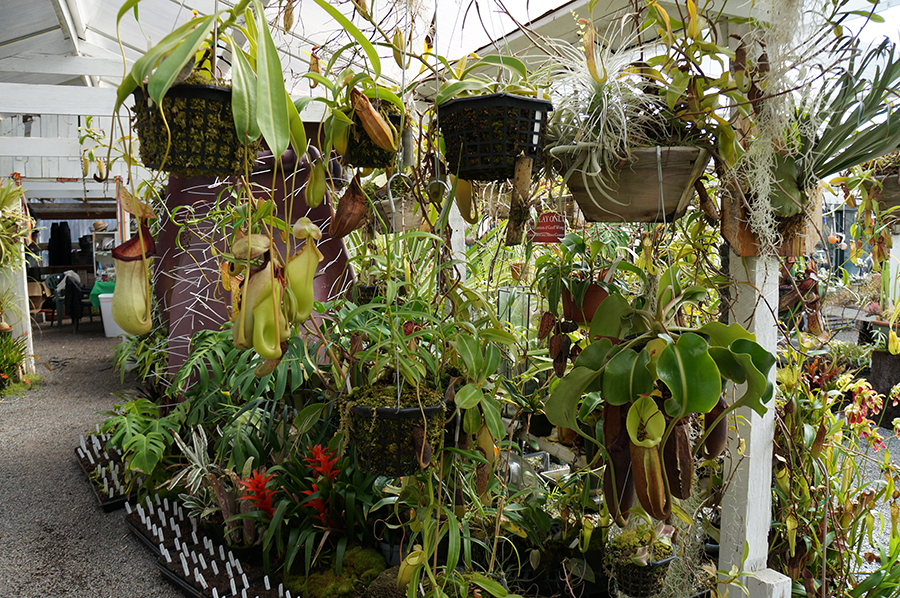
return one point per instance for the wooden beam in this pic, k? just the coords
(73, 211)
(17, 98)
(53, 64)
(43, 147)
(48, 189)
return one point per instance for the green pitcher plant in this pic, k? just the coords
(646, 376)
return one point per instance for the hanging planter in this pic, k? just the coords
(634, 192)
(889, 194)
(203, 138)
(594, 295)
(642, 581)
(393, 441)
(483, 135)
(403, 216)
(362, 152)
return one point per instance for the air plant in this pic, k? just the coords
(603, 106)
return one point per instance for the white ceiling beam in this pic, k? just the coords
(40, 147)
(64, 16)
(17, 98)
(53, 64)
(49, 189)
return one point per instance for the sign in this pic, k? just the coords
(550, 228)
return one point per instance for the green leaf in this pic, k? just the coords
(489, 585)
(467, 347)
(611, 317)
(146, 450)
(271, 98)
(243, 97)
(626, 377)
(357, 35)
(472, 421)
(561, 407)
(508, 62)
(594, 356)
(451, 90)
(468, 396)
(720, 334)
(308, 417)
(167, 71)
(691, 375)
(756, 362)
(497, 335)
(298, 131)
(491, 410)
(491, 362)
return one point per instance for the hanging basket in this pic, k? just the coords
(385, 438)
(641, 581)
(203, 139)
(483, 135)
(362, 151)
(635, 186)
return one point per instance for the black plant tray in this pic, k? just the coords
(108, 504)
(138, 533)
(181, 583)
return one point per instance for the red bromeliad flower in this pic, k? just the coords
(322, 462)
(319, 504)
(262, 496)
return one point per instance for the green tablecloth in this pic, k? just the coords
(101, 287)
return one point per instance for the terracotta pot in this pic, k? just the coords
(592, 299)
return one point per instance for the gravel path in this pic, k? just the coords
(54, 539)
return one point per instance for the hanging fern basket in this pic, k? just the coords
(632, 193)
(483, 135)
(203, 139)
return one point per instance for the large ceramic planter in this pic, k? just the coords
(203, 139)
(584, 313)
(883, 376)
(483, 135)
(387, 440)
(635, 188)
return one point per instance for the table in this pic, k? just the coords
(101, 287)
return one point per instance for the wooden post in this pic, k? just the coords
(747, 505)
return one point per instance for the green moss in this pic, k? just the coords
(203, 139)
(361, 151)
(359, 568)
(385, 585)
(384, 443)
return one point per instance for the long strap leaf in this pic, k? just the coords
(243, 97)
(168, 69)
(361, 39)
(271, 107)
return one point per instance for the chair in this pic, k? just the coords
(52, 281)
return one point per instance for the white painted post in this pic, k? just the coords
(894, 268)
(457, 239)
(747, 505)
(20, 317)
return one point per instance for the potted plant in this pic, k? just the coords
(611, 133)
(652, 373)
(486, 124)
(576, 274)
(639, 557)
(259, 103)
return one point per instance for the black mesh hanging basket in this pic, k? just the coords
(642, 581)
(385, 437)
(203, 139)
(483, 135)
